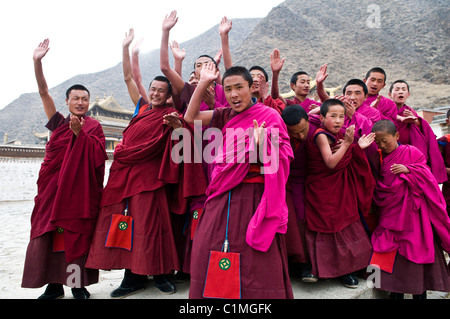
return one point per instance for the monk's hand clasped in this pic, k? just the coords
(76, 124)
(258, 131)
(172, 120)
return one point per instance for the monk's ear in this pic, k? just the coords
(292, 86)
(390, 95)
(321, 118)
(397, 135)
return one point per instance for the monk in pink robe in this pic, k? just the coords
(444, 146)
(413, 219)
(251, 190)
(375, 81)
(69, 191)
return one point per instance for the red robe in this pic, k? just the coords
(333, 197)
(70, 185)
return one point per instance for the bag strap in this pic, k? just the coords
(225, 247)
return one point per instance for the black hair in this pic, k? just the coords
(293, 114)
(377, 70)
(384, 126)
(295, 76)
(77, 87)
(256, 67)
(330, 102)
(356, 82)
(205, 56)
(238, 70)
(161, 78)
(398, 81)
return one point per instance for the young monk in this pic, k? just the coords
(414, 226)
(145, 182)
(338, 189)
(375, 80)
(257, 219)
(300, 132)
(444, 147)
(414, 130)
(70, 185)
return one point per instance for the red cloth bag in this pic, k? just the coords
(58, 240)
(223, 276)
(120, 233)
(384, 261)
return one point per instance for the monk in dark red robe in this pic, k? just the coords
(444, 147)
(70, 186)
(338, 189)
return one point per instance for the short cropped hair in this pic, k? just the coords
(77, 87)
(295, 76)
(398, 81)
(330, 102)
(356, 82)
(384, 126)
(256, 67)
(293, 114)
(161, 78)
(238, 70)
(206, 56)
(376, 70)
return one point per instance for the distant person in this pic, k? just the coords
(444, 147)
(414, 226)
(338, 193)
(414, 130)
(70, 187)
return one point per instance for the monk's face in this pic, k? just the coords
(78, 102)
(159, 93)
(386, 142)
(355, 95)
(258, 80)
(375, 82)
(399, 93)
(199, 65)
(238, 93)
(334, 119)
(302, 86)
(299, 131)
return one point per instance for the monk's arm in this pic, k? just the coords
(224, 29)
(136, 72)
(331, 159)
(132, 87)
(47, 100)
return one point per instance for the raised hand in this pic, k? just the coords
(76, 124)
(129, 37)
(41, 50)
(365, 140)
(209, 72)
(225, 26)
(170, 21)
(349, 134)
(178, 53)
(276, 63)
(258, 131)
(322, 74)
(375, 103)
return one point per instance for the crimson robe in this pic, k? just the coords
(386, 107)
(306, 104)
(70, 184)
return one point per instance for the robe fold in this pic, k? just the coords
(70, 185)
(412, 208)
(424, 139)
(333, 197)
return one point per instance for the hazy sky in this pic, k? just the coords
(86, 36)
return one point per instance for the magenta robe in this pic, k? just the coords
(306, 104)
(386, 107)
(412, 208)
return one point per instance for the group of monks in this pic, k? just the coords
(356, 184)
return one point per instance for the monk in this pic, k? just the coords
(414, 226)
(375, 80)
(300, 132)
(245, 192)
(444, 147)
(338, 190)
(70, 187)
(414, 130)
(146, 184)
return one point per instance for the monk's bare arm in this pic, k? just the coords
(224, 29)
(132, 87)
(47, 100)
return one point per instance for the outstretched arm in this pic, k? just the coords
(47, 100)
(178, 56)
(320, 78)
(136, 71)
(175, 79)
(208, 74)
(276, 64)
(332, 159)
(132, 87)
(224, 29)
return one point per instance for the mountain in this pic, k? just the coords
(411, 43)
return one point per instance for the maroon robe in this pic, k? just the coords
(306, 104)
(334, 199)
(144, 176)
(70, 186)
